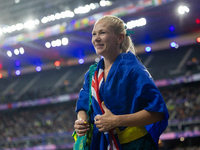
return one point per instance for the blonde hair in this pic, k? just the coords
(119, 27)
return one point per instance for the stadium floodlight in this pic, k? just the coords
(183, 9)
(21, 50)
(29, 24)
(92, 6)
(53, 43)
(57, 16)
(9, 53)
(44, 20)
(19, 26)
(136, 23)
(48, 45)
(16, 52)
(65, 41)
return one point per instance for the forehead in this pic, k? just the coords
(100, 25)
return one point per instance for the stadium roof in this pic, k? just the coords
(163, 24)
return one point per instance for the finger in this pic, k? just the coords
(104, 107)
(97, 117)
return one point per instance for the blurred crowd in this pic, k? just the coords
(30, 122)
(39, 124)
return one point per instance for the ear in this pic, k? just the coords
(120, 38)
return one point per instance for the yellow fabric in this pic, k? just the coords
(130, 134)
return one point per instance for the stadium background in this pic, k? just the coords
(45, 50)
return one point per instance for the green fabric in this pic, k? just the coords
(83, 142)
(144, 143)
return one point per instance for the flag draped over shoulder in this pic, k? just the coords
(128, 89)
(112, 140)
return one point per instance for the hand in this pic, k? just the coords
(81, 127)
(106, 121)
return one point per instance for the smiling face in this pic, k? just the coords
(104, 40)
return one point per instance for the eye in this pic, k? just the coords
(103, 32)
(93, 34)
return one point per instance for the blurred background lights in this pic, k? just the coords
(21, 50)
(17, 63)
(182, 139)
(198, 39)
(148, 49)
(48, 45)
(81, 61)
(38, 68)
(198, 21)
(173, 44)
(58, 42)
(16, 52)
(17, 72)
(183, 9)
(64, 41)
(171, 28)
(0, 66)
(57, 63)
(136, 23)
(1, 75)
(9, 53)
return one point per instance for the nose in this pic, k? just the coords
(96, 38)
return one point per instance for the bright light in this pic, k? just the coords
(148, 49)
(81, 61)
(9, 53)
(58, 42)
(29, 24)
(82, 9)
(198, 39)
(44, 20)
(19, 26)
(171, 28)
(17, 72)
(16, 51)
(65, 41)
(38, 68)
(37, 22)
(57, 16)
(53, 44)
(21, 50)
(183, 9)
(57, 63)
(48, 45)
(1, 75)
(173, 44)
(97, 60)
(0, 66)
(102, 3)
(17, 63)
(136, 23)
(182, 139)
(198, 21)
(17, 1)
(92, 6)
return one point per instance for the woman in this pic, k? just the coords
(125, 99)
